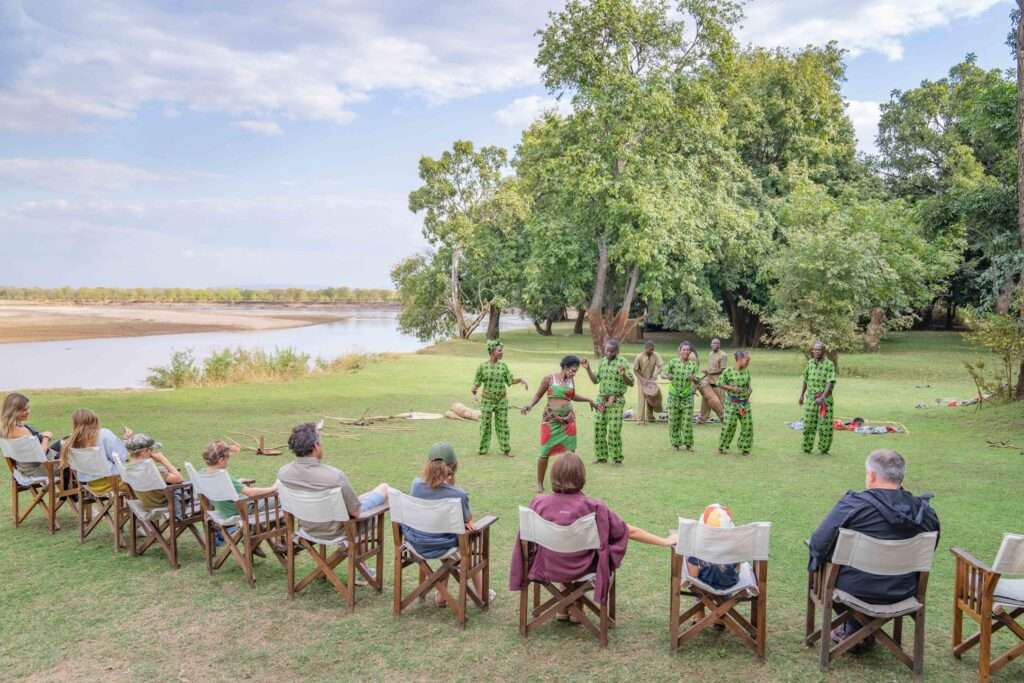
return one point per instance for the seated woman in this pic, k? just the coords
(438, 483)
(14, 425)
(87, 433)
(567, 504)
(216, 455)
(142, 447)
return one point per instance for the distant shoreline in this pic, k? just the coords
(38, 322)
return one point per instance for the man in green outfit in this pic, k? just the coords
(613, 377)
(819, 378)
(736, 383)
(682, 372)
(495, 377)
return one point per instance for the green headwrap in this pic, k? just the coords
(493, 344)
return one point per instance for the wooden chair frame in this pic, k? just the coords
(266, 525)
(164, 530)
(364, 540)
(49, 496)
(712, 609)
(974, 596)
(564, 597)
(821, 586)
(112, 510)
(472, 558)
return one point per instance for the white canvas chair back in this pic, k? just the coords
(24, 449)
(1010, 558)
(746, 543)
(141, 475)
(89, 463)
(429, 516)
(887, 558)
(216, 486)
(578, 536)
(313, 506)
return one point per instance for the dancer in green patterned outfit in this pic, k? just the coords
(613, 377)
(819, 378)
(682, 372)
(736, 383)
(494, 376)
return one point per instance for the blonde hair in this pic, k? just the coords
(216, 451)
(437, 472)
(14, 405)
(85, 432)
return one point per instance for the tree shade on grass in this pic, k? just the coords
(132, 618)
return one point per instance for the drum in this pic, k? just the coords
(652, 394)
(708, 395)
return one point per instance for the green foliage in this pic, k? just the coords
(182, 371)
(82, 295)
(1003, 337)
(237, 366)
(422, 284)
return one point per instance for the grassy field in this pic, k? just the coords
(74, 611)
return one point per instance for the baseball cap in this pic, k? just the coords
(443, 451)
(138, 442)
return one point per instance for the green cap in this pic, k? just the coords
(443, 451)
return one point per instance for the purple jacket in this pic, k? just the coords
(547, 565)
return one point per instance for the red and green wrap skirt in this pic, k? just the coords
(557, 431)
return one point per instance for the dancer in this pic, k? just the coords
(820, 378)
(647, 368)
(494, 376)
(613, 378)
(558, 426)
(682, 373)
(736, 383)
(717, 362)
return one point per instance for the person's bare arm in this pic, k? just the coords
(640, 536)
(172, 476)
(544, 384)
(590, 372)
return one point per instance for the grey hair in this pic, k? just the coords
(648, 343)
(887, 464)
(304, 439)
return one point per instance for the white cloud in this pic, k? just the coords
(864, 114)
(261, 127)
(857, 25)
(76, 176)
(523, 111)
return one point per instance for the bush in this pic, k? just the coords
(181, 372)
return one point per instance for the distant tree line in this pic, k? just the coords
(227, 295)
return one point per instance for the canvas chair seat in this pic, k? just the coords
(232, 521)
(876, 610)
(747, 582)
(452, 552)
(341, 540)
(1010, 592)
(140, 511)
(27, 481)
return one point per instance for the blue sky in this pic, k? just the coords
(188, 143)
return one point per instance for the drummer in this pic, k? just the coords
(647, 368)
(717, 361)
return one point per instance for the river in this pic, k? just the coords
(124, 362)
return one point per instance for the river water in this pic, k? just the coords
(124, 362)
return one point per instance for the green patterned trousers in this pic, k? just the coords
(498, 408)
(815, 424)
(746, 422)
(608, 431)
(680, 420)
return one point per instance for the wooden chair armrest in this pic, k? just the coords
(171, 488)
(372, 512)
(483, 523)
(963, 555)
(248, 481)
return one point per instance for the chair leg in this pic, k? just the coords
(14, 502)
(897, 630)
(290, 565)
(524, 606)
(985, 647)
(351, 581)
(826, 636)
(919, 644)
(603, 627)
(396, 604)
(51, 511)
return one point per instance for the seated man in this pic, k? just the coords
(308, 473)
(886, 511)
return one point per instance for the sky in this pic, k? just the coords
(184, 143)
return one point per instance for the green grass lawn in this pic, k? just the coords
(72, 611)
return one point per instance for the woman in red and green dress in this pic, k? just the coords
(558, 426)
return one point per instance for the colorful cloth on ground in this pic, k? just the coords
(608, 431)
(647, 368)
(610, 382)
(818, 419)
(548, 565)
(493, 378)
(498, 411)
(737, 411)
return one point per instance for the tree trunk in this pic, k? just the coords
(547, 327)
(1002, 306)
(543, 331)
(621, 325)
(595, 317)
(1020, 126)
(581, 313)
(494, 322)
(950, 314)
(456, 297)
(1020, 382)
(747, 327)
(873, 334)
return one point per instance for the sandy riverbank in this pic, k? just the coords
(22, 322)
